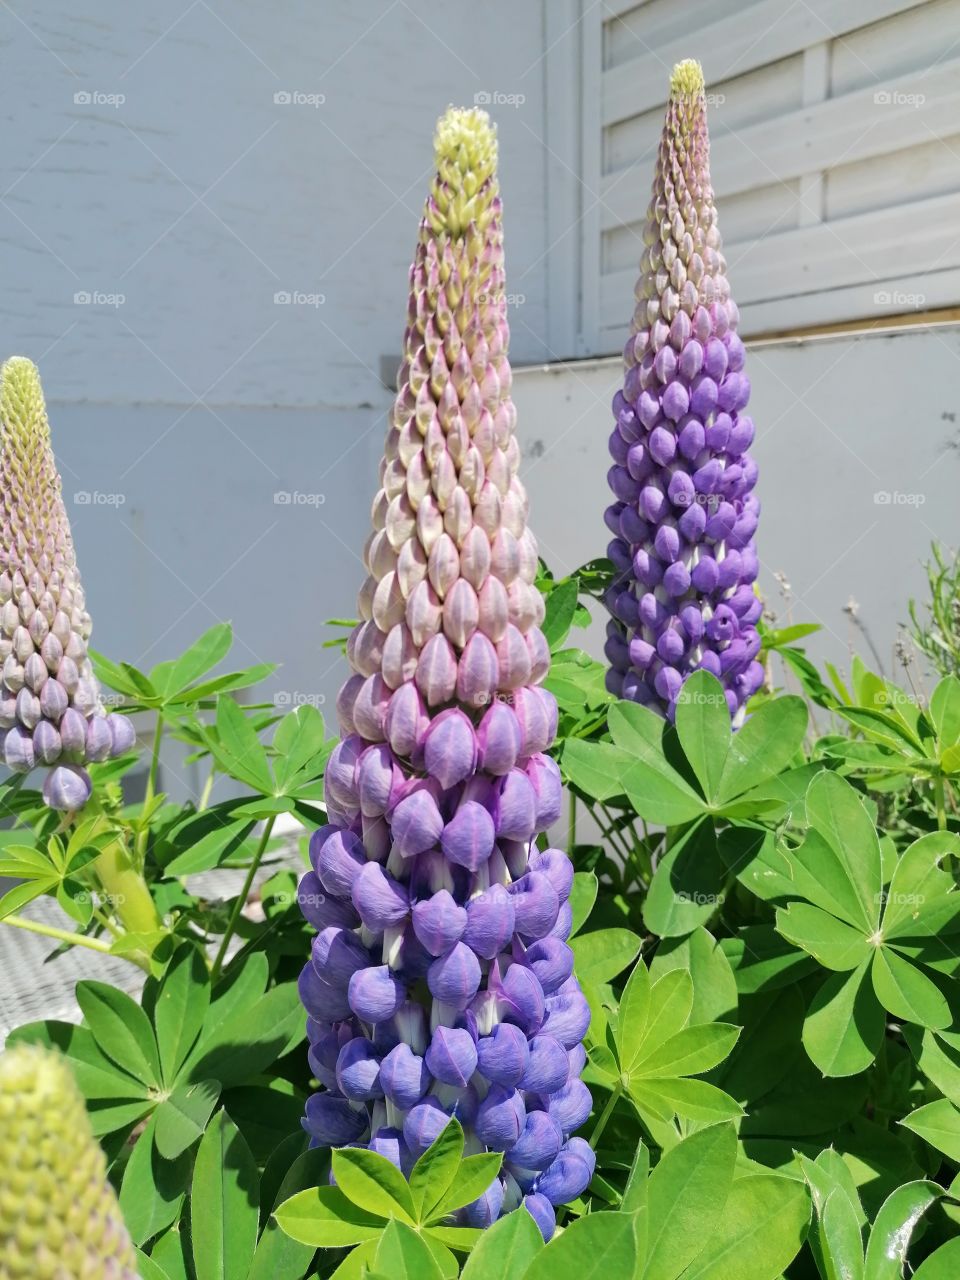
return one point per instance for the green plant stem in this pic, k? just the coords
(205, 794)
(605, 1114)
(144, 833)
(572, 832)
(125, 889)
(938, 798)
(61, 935)
(241, 900)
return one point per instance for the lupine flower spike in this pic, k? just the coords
(685, 513)
(50, 711)
(59, 1217)
(441, 981)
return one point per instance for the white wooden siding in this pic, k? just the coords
(835, 131)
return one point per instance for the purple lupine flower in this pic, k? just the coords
(50, 710)
(685, 512)
(427, 885)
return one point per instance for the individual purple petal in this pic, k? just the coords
(557, 867)
(570, 1174)
(389, 1143)
(541, 1211)
(452, 1056)
(454, 978)
(503, 1055)
(334, 1122)
(490, 921)
(338, 862)
(450, 747)
(548, 1066)
(499, 740)
(551, 960)
(424, 1124)
(18, 750)
(374, 994)
(567, 1017)
(468, 837)
(67, 788)
(381, 901)
(337, 954)
(322, 1000)
(376, 777)
(99, 740)
(515, 815)
(404, 1077)
(416, 823)
(544, 774)
(570, 1106)
(439, 922)
(484, 1211)
(325, 1051)
(358, 1071)
(320, 908)
(538, 1144)
(123, 736)
(501, 1118)
(535, 903)
(523, 998)
(46, 743)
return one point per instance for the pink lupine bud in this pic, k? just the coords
(44, 625)
(442, 781)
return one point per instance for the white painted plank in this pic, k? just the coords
(563, 106)
(838, 131)
(591, 132)
(761, 33)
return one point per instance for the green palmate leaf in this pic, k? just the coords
(506, 1249)
(239, 748)
(153, 1189)
(655, 789)
(837, 813)
(669, 1009)
(299, 740)
(939, 1124)
(890, 1235)
(597, 1247)
(759, 1233)
(703, 727)
(635, 1193)
(583, 895)
(248, 1039)
(763, 747)
(278, 1257)
(918, 880)
(693, 1099)
(763, 960)
(434, 1172)
(472, 1180)
(939, 1062)
(211, 849)
(844, 1025)
(97, 1077)
(402, 1254)
(214, 645)
(945, 711)
(373, 1183)
(841, 1242)
(325, 1218)
(634, 1014)
(687, 886)
(685, 1197)
(600, 956)
(148, 1269)
(224, 1199)
(595, 768)
(907, 992)
(180, 1008)
(561, 605)
(688, 1052)
(703, 960)
(835, 945)
(942, 1265)
(121, 1029)
(183, 1116)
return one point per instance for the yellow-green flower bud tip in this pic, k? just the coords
(59, 1217)
(465, 188)
(687, 79)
